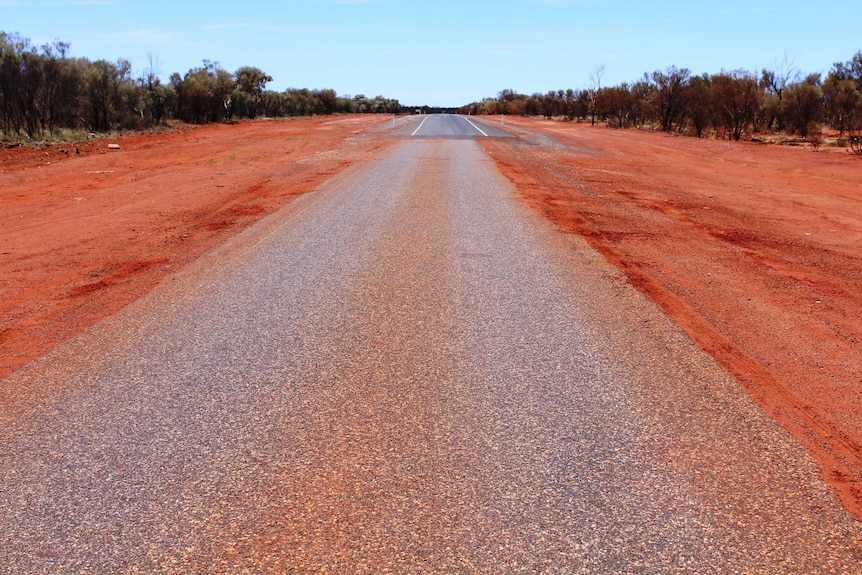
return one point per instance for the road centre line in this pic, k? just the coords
(420, 127)
(475, 126)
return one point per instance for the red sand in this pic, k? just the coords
(84, 231)
(755, 250)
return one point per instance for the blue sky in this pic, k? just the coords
(446, 52)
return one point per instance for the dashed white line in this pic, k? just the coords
(420, 126)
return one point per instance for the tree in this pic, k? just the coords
(595, 86)
(250, 85)
(326, 101)
(571, 104)
(698, 105)
(30, 82)
(842, 93)
(8, 83)
(842, 101)
(735, 101)
(511, 102)
(670, 95)
(643, 92)
(804, 104)
(156, 97)
(297, 102)
(102, 96)
(774, 82)
(43, 89)
(851, 70)
(581, 104)
(617, 103)
(204, 94)
(60, 87)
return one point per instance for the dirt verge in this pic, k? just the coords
(86, 228)
(754, 250)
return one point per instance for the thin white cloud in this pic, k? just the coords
(90, 2)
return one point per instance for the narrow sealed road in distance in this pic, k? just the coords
(406, 371)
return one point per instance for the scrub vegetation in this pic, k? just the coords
(45, 93)
(734, 105)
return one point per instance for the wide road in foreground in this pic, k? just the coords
(406, 371)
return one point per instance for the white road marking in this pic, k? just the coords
(420, 126)
(475, 126)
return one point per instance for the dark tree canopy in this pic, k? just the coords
(43, 90)
(725, 104)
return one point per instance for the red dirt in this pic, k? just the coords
(753, 249)
(85, 231)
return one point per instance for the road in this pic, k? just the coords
(405, 371)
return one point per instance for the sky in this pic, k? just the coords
(445, 52)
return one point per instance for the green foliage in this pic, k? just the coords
(248, 94)
(842, 93)
(204, 94)
(727, 104)
(44, 92)
(735, 99)
(670, 95)
(804, 106)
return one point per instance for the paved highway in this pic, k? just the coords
(451, 126)
(406, 371)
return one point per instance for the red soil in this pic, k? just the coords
(85, 230)
(755, 250)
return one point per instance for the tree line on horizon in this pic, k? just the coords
(44, 91)
(725, 105)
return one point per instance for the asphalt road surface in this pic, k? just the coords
(406, 371)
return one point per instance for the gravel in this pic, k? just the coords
(406, 371)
